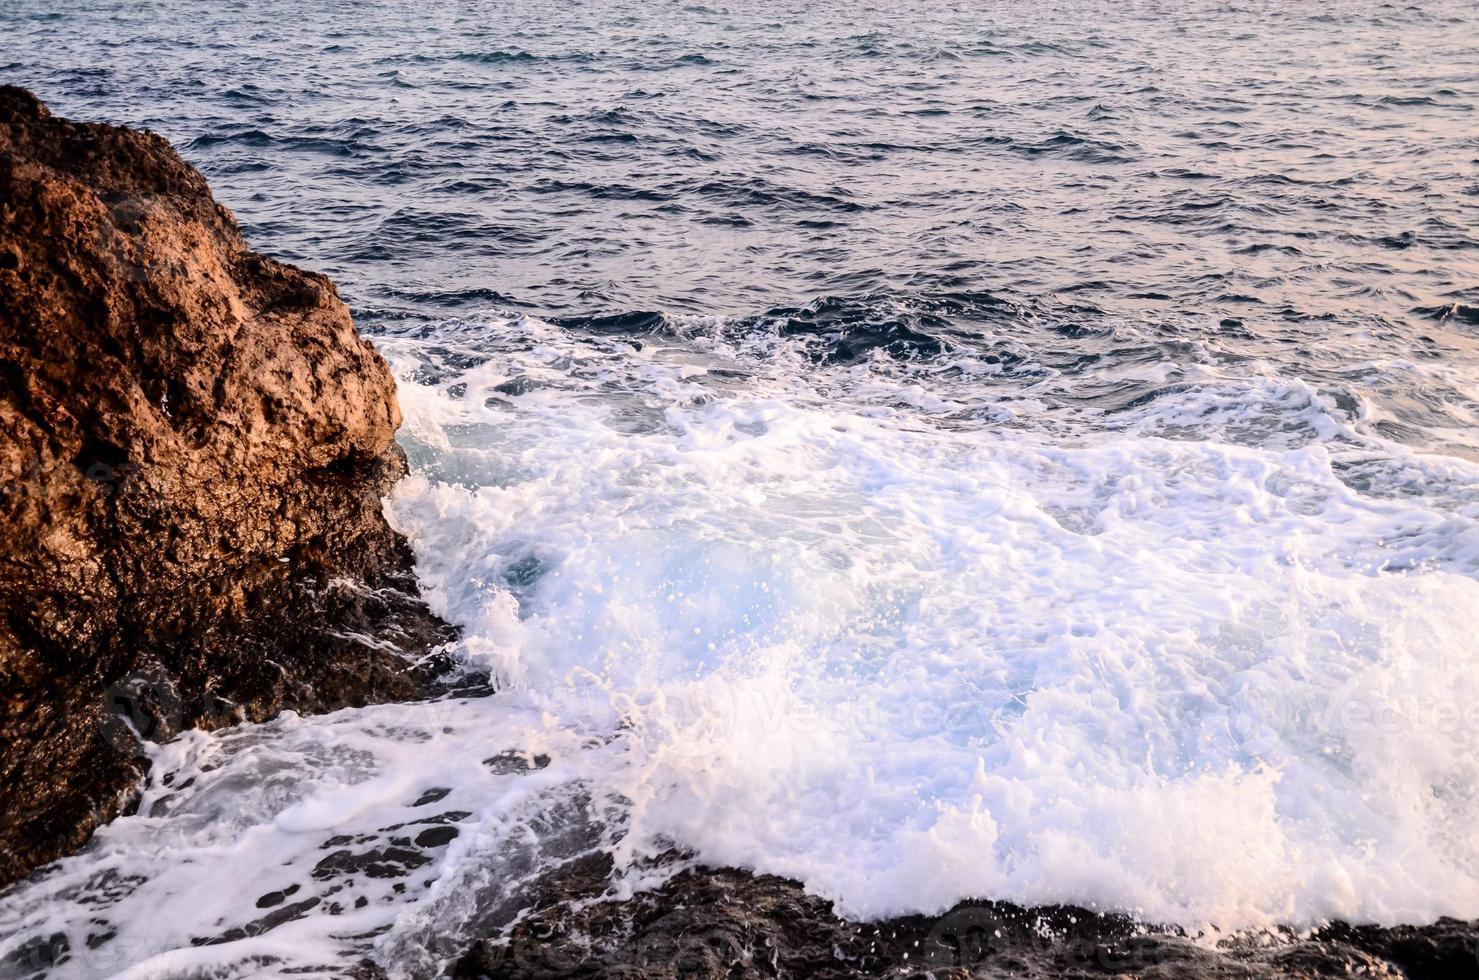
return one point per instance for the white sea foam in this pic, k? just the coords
(860, 626)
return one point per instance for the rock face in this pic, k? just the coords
(720, 924)
(194, 442)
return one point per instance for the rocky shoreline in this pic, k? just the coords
(714, 923)
(193, 445)
(194, 442)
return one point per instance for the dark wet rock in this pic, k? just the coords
(436, 836)
(272, 899)
(392, 861)
(511, 763)
(445, 817)
(521, 385)
(729, 924)
(194, 442)
(432, 795)
(268, 922)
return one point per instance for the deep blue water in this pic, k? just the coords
(1192, 180)
(1185, 161)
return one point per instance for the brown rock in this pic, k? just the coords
(194, 441)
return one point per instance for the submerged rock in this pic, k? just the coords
(194, 442)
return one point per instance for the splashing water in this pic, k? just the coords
(851, 621)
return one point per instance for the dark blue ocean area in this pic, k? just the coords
(1229, 177)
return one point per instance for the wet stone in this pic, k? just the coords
(436, 836)
(512, 763)
(383, 862)
(266, 923)
(271, 899)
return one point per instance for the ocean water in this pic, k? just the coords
(1012, 451)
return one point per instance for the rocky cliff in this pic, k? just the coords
(194, 441)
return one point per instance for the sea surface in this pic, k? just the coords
(929, 450)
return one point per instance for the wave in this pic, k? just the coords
(849, 618)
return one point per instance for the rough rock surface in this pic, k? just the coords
(724, 923)
(194, 442)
